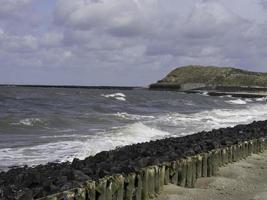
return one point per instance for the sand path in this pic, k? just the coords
(244, 180)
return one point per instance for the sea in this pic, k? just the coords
(40, 125)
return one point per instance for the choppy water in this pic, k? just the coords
(40, 125)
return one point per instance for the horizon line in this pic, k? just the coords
(73, 86)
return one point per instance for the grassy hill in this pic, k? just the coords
(204, 76)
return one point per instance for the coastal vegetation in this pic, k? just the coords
(197, 76)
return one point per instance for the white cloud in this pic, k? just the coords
(13, 8)
(210, 18)
(51, 39)
(118, 17)
(125, 39)
(263, 3)
(1, 32)
(14, 43)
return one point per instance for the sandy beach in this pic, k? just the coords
(243, 180)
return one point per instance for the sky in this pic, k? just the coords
(126, 42)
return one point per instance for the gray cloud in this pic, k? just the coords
(51, 39)
(13, 8)
(20, 44)
(263, 3)
(127, 41)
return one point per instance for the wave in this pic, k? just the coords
(205, 93)
(248, 100)
(80, 147)
(39, 154)
(119, 96)
(185, 124)
(237, 101)
(135, 133)
(61, 136)
(125, 115)
(261, 99)
(30, 122)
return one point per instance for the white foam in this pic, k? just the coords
(120, 136)
(67, 150)
(213, 119)
(205, 93)
(39, 154)
(135, 133)
(81, 146)
(237, 101)
(61, 136)
(67, 130)
(248, 100)
(29, 121)
(190, 103)
(119, 96)
(223, 96)
(261, 99)
(125, 115)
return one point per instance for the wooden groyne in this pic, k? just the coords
(149, 181)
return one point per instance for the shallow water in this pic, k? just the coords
(40, 125)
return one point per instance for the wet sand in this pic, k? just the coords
(243, 180)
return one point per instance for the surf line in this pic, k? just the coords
(148, 182)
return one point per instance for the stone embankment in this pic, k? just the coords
(138, 171)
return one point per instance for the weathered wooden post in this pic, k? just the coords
(101, 189)
(189, 172)
(182, 173)
(129, 185)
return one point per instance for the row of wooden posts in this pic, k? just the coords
(149, 181)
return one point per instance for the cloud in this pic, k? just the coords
(263, 3)
(22, 44)
(203, 33)
(117, 17)
(129, 41)
(210, 19)
(51, 39)
(13, 8)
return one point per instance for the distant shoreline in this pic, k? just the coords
(233, 94)
(75, 86)
(214, 81)
(250, 93)
(237, 91)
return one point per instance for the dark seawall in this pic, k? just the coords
(235, 91)
(76, 86)
(137, 171)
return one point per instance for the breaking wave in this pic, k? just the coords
(125, 115)
(261, 99)
(30, 122)
(80, 124)
(237, 101)
(79, 148)
(212, 119)
(118, 96)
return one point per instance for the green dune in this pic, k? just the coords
(197, 76)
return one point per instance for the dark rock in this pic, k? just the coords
(28, 183)
(25, 194)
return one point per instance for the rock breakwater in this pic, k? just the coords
(137, 171)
